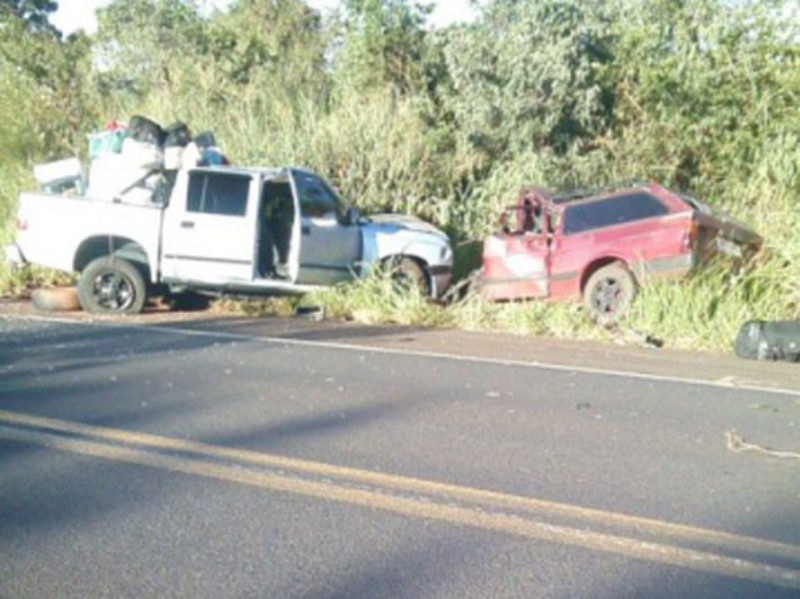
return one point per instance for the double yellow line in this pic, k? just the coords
(646, 539)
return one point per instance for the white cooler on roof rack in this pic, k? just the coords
(142, 154)
(173, 158)
(55, 177)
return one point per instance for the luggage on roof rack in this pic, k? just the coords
(145, 130)
(177, 135)
(106, 142)
(205, 140)
(175, 143)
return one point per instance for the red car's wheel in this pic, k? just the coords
(609, 293)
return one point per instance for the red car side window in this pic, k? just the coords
(611, 211)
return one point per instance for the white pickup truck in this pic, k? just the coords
(223, 230)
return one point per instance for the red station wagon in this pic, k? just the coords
(600, 245)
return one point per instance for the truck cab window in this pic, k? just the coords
(218, 193)
(316, 198)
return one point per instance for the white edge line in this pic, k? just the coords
(718, 384)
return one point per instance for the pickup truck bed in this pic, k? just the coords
(66, 236)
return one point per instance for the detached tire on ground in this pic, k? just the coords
(60, 299)
(609, 293)
(110, 285)
(409, 273)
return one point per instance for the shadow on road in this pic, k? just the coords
(292, 328)
(138, 380)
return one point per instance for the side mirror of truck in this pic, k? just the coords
(351, 216)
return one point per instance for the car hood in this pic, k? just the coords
(393, 223)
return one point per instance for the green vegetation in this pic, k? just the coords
(700, 95)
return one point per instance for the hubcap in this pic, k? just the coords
(607, 296)
(113, 291)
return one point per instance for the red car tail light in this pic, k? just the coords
(690, 237)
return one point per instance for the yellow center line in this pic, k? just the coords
(418, 508)
(491, 499)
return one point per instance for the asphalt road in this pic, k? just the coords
(232, 458)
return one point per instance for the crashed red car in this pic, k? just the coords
(600, 245)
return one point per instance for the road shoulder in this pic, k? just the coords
(724, 370)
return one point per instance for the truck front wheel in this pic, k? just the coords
(110, 285)
(410, 274)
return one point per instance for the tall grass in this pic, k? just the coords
(378, 299)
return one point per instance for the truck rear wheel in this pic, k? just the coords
(110, 285)
(609, 293)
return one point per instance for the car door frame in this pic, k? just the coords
(205, 248)
(329, 247)
(516, 263)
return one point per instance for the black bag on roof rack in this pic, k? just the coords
(144, 130)
(760, 340)
(205, 140)
(177, 135)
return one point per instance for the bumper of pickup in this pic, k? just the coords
(13, 257)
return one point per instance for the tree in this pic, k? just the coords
(43, 84)
(143, 45)
(530, 74)
(707, 91)
(382, 43)
(34, 13)
(281, 39)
